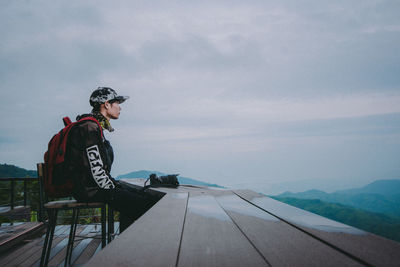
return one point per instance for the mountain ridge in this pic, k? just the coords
(12, 171)
(382, 196)
(377, 223)
(384, 187)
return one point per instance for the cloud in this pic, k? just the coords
(230, 87)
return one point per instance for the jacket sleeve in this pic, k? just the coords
(95, 156)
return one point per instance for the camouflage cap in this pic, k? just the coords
(103, 94)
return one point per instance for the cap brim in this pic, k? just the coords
(121, 99)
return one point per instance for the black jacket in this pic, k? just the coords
(89, 157)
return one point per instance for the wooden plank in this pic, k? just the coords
(210, 238)
(60, 230)
(32, 257)
(153, 240)
(7, 233)
(24, 250)
(99, 248)
(88, 252)
(78, 250)
(94, 247)
(29, 254)
(33, 253)
(20, 232)
(8, 230)
(280, 243)
(81, 242)
(59, 252)
(363, 246)
(58, 241)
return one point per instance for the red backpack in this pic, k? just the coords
(56, 183)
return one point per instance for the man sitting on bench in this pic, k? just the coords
(90, 156)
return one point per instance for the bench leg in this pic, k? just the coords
(49, 238)
(110, 228)
(72, 232)
(103, 227)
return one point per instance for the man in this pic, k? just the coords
(90, 156)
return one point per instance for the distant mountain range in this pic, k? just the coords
(182, 180)
(382, 196)
(11, 171)
(377, 223)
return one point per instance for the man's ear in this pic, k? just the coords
(107, 105)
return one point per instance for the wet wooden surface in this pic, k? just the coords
(154, 238)
(28, 252)
(210, 234)
(198, 226)
(363, 246)
(280, 243)
(13, 233)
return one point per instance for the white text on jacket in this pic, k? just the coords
(96, 166)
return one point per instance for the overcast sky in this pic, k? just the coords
(240, 93)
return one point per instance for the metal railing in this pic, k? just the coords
(17, 194)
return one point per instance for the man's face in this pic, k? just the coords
(113, 110)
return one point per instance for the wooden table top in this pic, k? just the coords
(205, 226)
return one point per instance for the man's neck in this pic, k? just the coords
(104, 113)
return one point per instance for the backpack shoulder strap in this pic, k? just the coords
(94, 120)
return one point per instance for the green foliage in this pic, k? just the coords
(11, 171)
(34, 216)
(380, 224)
(4, 219)
(32, 189)
(382, 196)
